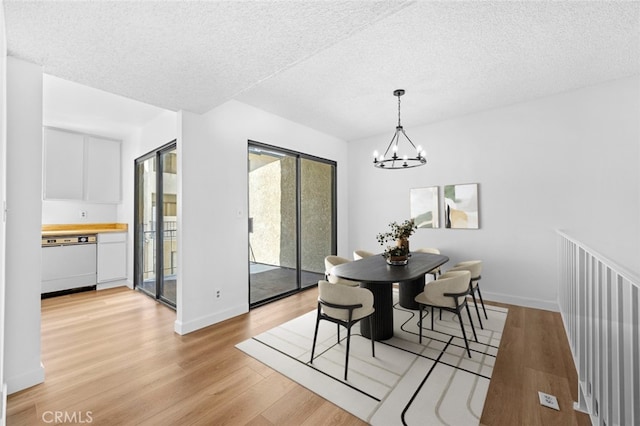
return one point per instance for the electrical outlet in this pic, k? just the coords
(548, 400)
(83, 214)
(218, 294)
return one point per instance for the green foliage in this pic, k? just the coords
(398, 232)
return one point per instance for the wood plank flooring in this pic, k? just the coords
(112, 357)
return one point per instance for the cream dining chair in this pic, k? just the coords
(449, 292)
(435, 271)
(361, 254)
(329, 263)
(475, 268)
(344, 306)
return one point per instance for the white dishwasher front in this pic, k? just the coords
(66, 267)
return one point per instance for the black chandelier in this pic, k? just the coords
(396, 161)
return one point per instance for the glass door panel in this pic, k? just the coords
(146, 230)
(291, 221)
(316, 218)
(273, 223)
(155, 212)
(169, 245)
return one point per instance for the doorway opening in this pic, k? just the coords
(155, 246)
(292, 220)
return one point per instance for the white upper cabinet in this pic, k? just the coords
(63, 165)
(81, 167)
(103, 170)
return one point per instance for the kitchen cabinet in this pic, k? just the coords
(103, 170)
(63, 165)
(112, 256)
(81, 167)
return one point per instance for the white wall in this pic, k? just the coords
(67, 212)
(212, 204)
(3, 199)
(157, 132)
(564, 162)
(24, 201)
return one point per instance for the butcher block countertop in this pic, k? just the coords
(82, 228)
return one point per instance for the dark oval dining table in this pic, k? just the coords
(375, 274)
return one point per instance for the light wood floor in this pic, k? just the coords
(112, 357)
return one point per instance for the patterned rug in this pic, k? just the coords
(407, 383)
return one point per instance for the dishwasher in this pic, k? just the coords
(68, 262)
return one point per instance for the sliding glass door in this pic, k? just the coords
(291, 220)
(155, 225)
(317, 218)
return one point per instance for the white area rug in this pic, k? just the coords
(406, 383)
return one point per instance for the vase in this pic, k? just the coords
(404, 243)
(398, 260)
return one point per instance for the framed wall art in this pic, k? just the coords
(424, 207)
(461, 206)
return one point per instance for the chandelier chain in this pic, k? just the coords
(399, 125)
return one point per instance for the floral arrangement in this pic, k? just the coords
(399, 233)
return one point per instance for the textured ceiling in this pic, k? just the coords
(331, 65)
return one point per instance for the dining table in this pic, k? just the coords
(378, 276)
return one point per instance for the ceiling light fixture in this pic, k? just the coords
(396, 161)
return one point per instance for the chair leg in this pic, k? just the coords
(471, 321)
(315, 336)
(373, 349)
(433, 315)
(346, 360)
(475, 302)
(464, 334)
(338, 327)
(482, 301)
(420, 325)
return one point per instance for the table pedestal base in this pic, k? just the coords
(382, 318)
(408, 292)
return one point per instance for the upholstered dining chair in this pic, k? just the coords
(435, 271)
(449, 292)
(329, 263)
(361, 254)
(475, 268)
(344, 306)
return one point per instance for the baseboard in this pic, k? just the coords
(547, 305)
(3, 409)
(25, 380)
(579, 408)
(111, 284)
(207, 320)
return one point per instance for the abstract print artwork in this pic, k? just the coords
(424, 207)
(461, 206)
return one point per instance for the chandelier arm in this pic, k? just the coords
(394, 137)
(405, 135)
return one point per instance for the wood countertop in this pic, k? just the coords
(82, 228)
